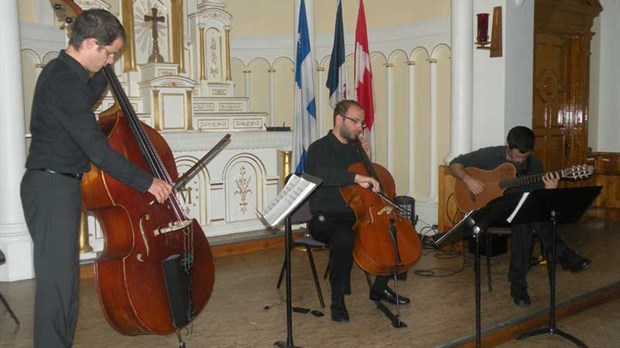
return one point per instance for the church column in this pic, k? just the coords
(389, 72)
(203, 53)
(176, 19)
(15, 241)
(272, 96)
(432, 193)
(411, 112)
(228, 64)
(462, 37)
(129, 48)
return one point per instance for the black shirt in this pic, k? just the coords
(65, 135)
(489, 158)
(329, 159)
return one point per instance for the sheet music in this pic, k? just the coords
(294, 192)
(514, 213)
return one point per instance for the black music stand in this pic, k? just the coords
(556, 205)
(474, 223)
(288, 238)
(288, 202)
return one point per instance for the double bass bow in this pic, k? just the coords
(156, 272)
(386, 242)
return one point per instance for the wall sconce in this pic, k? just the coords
(482, 32)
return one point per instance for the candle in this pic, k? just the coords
(483, 27)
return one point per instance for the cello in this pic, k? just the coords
(386, 242)
(156, 272)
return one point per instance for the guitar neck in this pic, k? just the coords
(526, 180)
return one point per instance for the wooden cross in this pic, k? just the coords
(155, 56)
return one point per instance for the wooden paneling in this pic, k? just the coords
(448, 214)
(606, 174)
(562, 34)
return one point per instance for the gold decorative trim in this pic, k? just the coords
(432, 61)
(388, 65)
(203, 68)
(320, 68)
(85, 246)
(243, 189)
(189, 111)
(155, 115)
(410, 62)
(285, 170)
(129, 50)
(177, 34)
(228, 66)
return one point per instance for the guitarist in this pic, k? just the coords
(518, 151)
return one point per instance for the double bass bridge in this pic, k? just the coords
(172, 227)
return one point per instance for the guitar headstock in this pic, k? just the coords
(66, 11)
(577, 172)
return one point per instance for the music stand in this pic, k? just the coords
(474, 223)
(556, 205)
(284, 206)
(288, 237)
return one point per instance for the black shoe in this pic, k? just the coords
(572, 261)
(339, 310)
(519, 294)
(388, 295)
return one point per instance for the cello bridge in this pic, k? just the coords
(385, 210)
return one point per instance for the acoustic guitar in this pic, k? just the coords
(503, 177)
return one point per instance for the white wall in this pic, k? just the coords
(519, 63)
(489, 83)
(604, 123)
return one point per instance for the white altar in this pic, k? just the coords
(193, 106)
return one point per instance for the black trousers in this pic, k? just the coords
(51, 204)
(335, 230)
(521, 248)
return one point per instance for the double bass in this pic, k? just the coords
(156, 272)
(386, 242)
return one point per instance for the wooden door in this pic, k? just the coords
(562, 33)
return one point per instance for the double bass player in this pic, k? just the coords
(65, 139)
(333, 220)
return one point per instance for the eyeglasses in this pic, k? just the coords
(360, 122)
(110, 54)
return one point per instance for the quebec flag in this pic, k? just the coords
(305, 108)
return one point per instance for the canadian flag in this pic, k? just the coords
(363, 72)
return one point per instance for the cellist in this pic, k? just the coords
(332, 219)
(65, 139)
